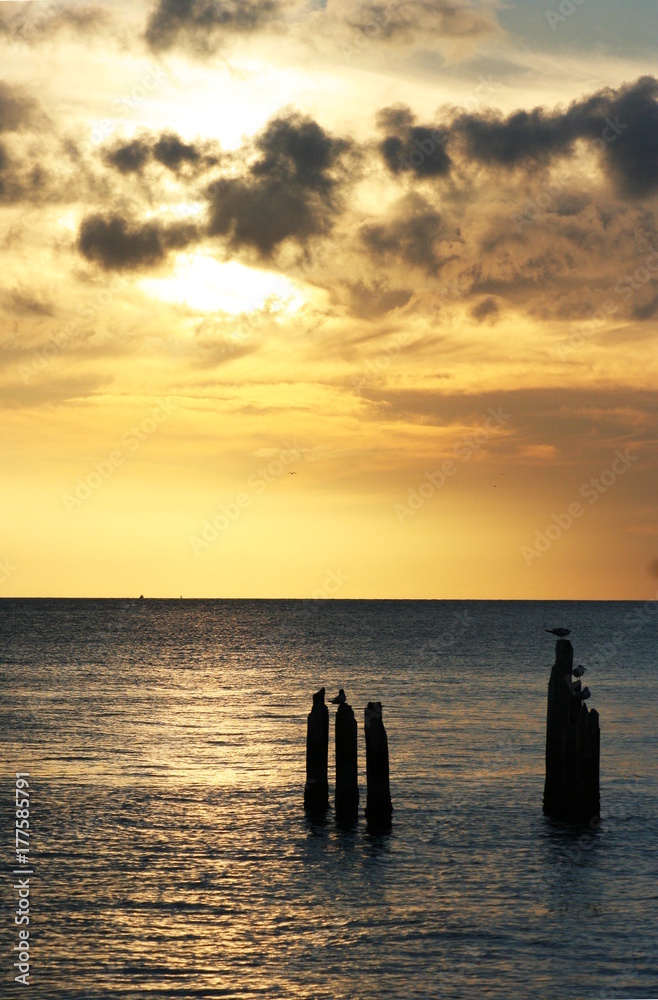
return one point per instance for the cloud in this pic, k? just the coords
(633, 160)
(399, 21)
(411, 235)
(291, 191)
(621, 125)
(168, 149)
(371, 300)
(52, 391)
(38, 22)
(486, 309)
(201, 25)
(560, 417)
(407, 146)
(172, 152)
(37, 163)
(128, 157)
(23, 301)
(117, 244)
(17, 109)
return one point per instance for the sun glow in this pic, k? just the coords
(202, 283)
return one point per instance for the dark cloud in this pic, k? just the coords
(408, 146)
(632, 160)
(291, 191)
(410, 236)
(371, 300)
(24, 302)
(117, 244)
(37, 22)
(390, 20)
(169, 150)
(172, 152)
(562, 416)
(621, 125)
(17, 109)
(129, 157)
(522, 137)
(647, 309)
(200, 25)
(22, 180)
(486, 309)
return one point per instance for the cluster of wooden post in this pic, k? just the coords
(316, 793)
(573, 747)
(573, 741)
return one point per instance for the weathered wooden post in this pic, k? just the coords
(571, 788)
(379, 809)
(316, 790)
(347, 782)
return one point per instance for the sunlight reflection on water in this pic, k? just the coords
(165, 742)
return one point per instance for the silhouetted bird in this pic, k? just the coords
(583, 695)
(579, 670)
(339, 699)
(559, 632)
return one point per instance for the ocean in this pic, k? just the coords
(170, 854)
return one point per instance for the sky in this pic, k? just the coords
(337, 299)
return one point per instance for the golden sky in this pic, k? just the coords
(344, 299)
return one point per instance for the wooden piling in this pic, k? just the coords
(378, 806)
(571, 788)
(347, 783)
(316, 790)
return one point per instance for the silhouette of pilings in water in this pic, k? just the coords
(379, 809)
(347, 781)
(316, 790)
(573, 744)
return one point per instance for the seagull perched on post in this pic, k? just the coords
(579, 670)
(583, 695)
(339, 699)
(559, 632)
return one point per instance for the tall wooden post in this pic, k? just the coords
(316, 790)
(571, 789)
(379, 809)
(347, 782)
